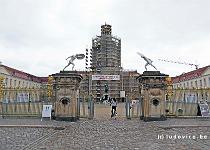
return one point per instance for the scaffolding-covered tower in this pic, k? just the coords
(106, 60)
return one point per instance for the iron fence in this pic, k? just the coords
(21, 109)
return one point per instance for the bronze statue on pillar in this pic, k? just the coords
(148, 61)
(152, 85)
(66, 86)
(72, 58)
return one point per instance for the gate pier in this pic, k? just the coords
(66, 87)
(152, 86)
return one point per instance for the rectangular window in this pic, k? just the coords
(6, 81)
(196, 84)
(15, 83)
(10, 82)
(209, 81)
(201, 83)
(204, 82)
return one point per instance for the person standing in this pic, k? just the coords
(114, 107)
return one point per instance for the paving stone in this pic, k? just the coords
(103, 134)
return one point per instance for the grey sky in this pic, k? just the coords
(37, 35)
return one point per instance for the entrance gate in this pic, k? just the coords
(180, 103)
(91, 110)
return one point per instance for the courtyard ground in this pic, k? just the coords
(105, 134)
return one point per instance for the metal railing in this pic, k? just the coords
(21, 109)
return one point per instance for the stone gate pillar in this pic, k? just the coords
(153, 89)
(65, 86)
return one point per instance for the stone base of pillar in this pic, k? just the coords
(141, 117)
(153, 90)
(66, 86)
(70, 119)
(162, 118)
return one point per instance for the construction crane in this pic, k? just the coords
(184, 63)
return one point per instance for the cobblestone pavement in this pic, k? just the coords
(107, 134)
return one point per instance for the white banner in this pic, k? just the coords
(122, 93)
(105, 77)
(204, 109)
(46, 111)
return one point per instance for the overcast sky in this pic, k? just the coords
(37, 35)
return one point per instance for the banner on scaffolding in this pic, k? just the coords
(105, 77)
(122, 93)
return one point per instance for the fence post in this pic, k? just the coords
(15, 102)
(78, 107)
(29, 102)
(1, 105)
(127, 108)
(6, 107)
(90, 107)
(139, 107)
(83, 105)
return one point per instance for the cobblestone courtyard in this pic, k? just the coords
(104, 134)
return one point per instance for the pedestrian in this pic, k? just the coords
(114, 107)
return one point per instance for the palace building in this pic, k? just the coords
(199, 78)
(19, 86)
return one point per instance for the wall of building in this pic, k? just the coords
(19, 86)
(202, 81)
(14, 79)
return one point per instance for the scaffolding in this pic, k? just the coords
(106, 60)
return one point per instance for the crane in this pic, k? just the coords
(184, 63)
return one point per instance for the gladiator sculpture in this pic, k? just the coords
(148, 61)
(72, 58)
